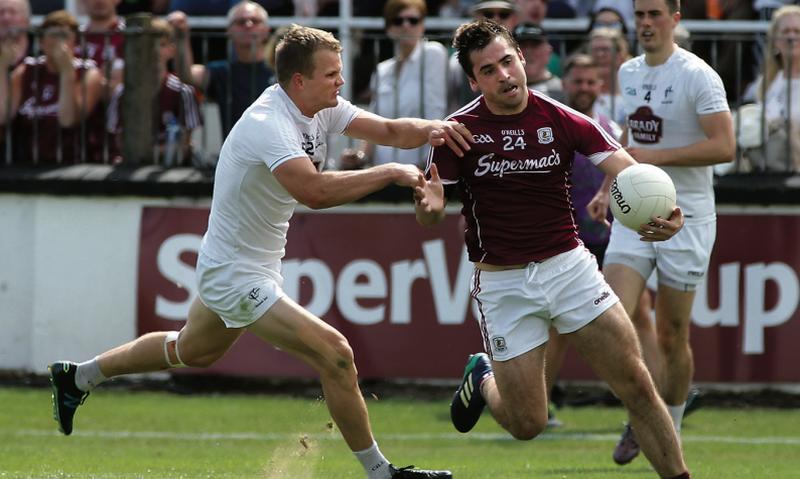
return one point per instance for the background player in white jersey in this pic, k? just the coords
(531, 270)
(272, 160)
(677, 119)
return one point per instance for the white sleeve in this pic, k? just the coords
(709, 92)
(338, 118)
(267, 138)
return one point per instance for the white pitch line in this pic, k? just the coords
(255, 436)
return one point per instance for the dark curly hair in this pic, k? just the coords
(475, 36)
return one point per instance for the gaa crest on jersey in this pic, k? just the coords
(545, 135)
(645, 126)
(48, 92)
(499, 344)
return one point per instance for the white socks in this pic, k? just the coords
(88, 375)
(676, 413)
(374, 463)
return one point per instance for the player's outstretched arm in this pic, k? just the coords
(410, 132)
(319, 190)
(429, 199)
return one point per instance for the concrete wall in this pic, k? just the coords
(67, 276)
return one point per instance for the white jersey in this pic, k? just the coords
(663, 105)
(250, 209)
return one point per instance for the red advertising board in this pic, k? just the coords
(400, 294)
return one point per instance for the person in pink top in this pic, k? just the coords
(531, 269)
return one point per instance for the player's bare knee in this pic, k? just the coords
(527, 429)
(202, 361)
(340, 361)
(178, 355)
(171, 352)
(634, 387)
(671, 342)
(639, 393)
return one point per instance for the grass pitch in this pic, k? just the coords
(122, 434)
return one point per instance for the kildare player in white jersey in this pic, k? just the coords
(272, 160)
(677, 119)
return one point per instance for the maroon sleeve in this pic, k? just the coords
(446, 161)
(588, 136)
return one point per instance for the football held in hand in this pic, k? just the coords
(641, 192)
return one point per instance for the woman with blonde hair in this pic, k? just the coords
(609, 49)
(778, 91)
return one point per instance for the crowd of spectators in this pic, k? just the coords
(67, 92)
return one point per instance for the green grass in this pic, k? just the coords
(120, 434)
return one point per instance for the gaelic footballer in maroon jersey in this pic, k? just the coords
(515, 181)
(531, 271)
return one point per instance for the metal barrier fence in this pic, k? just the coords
(730, 47)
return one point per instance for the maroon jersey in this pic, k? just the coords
(177, 105)
(104, 47)
(36, 131)
(514, 182)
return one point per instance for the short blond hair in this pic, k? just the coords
(295, 51)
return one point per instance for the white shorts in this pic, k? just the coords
(681, 261)
(518, 306)
(238, 292)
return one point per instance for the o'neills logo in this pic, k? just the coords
(602, 298)
(616, 195)
(645, 127)
(487, 164)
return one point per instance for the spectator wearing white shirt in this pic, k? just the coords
(410, 84)
(781, 82)
(609, 49)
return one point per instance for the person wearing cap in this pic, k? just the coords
(536, 51)
(500, 11)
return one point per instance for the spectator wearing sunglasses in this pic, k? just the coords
(236, 82)
(410, 84)
(500, 11)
